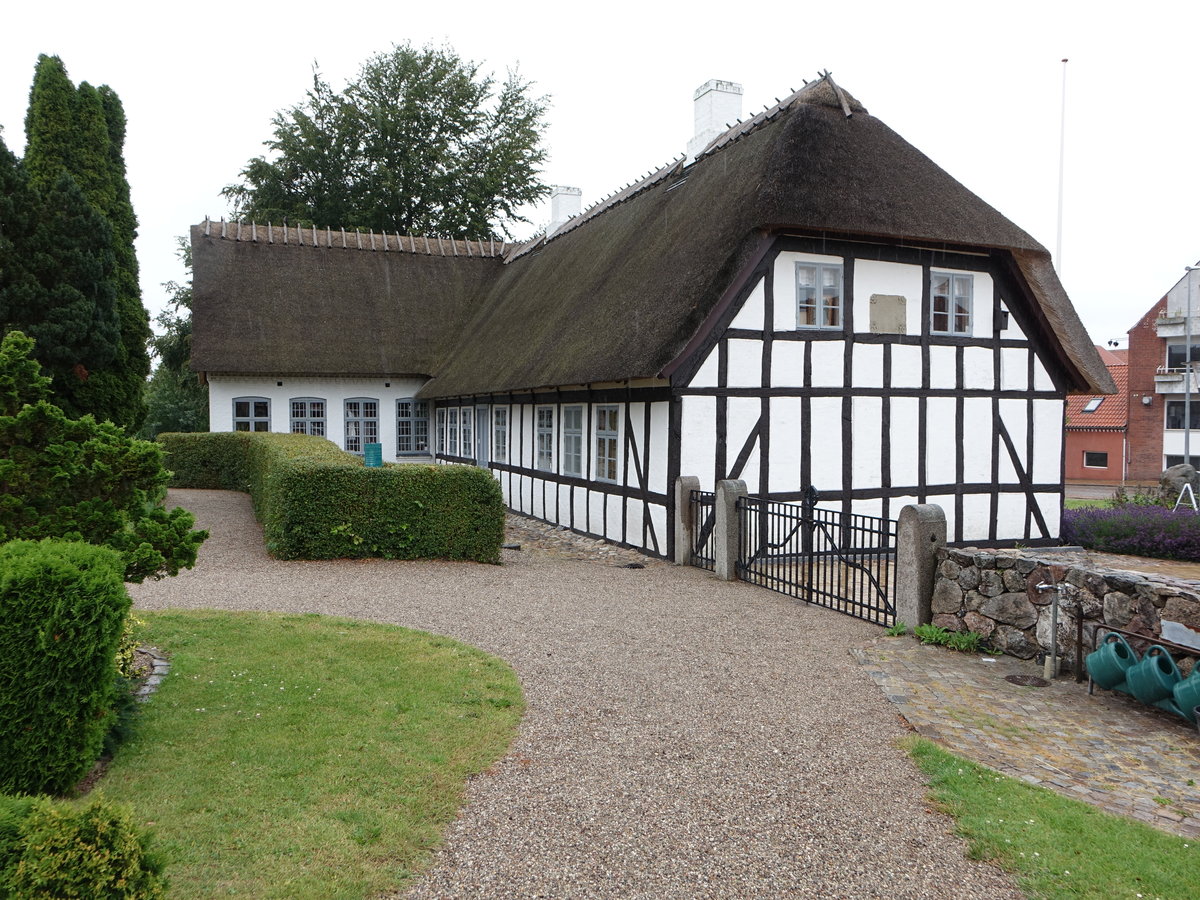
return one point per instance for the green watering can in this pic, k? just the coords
(1108, 664)
(1153, 679)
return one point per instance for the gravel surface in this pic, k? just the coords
(684, 737)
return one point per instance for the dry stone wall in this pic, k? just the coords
(996, 593)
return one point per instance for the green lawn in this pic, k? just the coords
(1072, 503)
(1057, 847)
(307, 757)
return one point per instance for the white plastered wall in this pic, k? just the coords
(280, 390)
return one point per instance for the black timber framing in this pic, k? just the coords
(1009, 294)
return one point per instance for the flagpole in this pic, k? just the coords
(1062, 144)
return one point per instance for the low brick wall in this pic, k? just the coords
(995, 593)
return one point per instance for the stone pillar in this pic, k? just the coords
(685, 521)
(920, 533)
(725, 530)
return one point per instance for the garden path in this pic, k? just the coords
(685, 737)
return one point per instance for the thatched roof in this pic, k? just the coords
(323, 302)
(620, 291)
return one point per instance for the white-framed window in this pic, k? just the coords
(572, 445)
(818, 295)
(412, 427)
(362, 423)
(500, 434)
(1092, 405)
(308, 415)
(441, 430)
(545, 438)
(950, 303)
(251, 414)
(452, 431)
(468, 431)
(1095, 459)
(608, 434)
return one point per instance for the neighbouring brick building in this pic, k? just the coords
(1096, 427)
(1144, 431)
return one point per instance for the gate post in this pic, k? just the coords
(685, 520)
(725, 531)
(920, 533)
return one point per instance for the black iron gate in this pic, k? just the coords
(704, 517)
(835, 559)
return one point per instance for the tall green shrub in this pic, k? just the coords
(62, 607)
(77, 136)
(93, 852)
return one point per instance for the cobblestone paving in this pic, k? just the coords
(539, 538)
(1106, 749)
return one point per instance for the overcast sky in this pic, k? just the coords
(977, 87)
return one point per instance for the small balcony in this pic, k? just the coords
(1176, 326)
(1173, 380)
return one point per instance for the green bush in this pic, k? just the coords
(317, 502)
(82, 480)
(55, 850)
(62, 609)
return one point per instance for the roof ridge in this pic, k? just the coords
(733, 133)
(331, 239)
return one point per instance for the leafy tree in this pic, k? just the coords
(80, 134)
(420, 142)
(82, 480)
(176, 399)
(56, 280)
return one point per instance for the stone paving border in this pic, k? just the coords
(1106, 749)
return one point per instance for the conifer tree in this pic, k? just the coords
(80, 133)
(56, 279)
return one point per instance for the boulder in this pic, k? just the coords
(1013, 580)
(1014, 641)
(949, 568)
(1119, 609)
(947, 597)
(968, 578)
(950, 623)
(990, 583)
(1173, 480)
(1183, 611)
(980, 624)
(1010, 609)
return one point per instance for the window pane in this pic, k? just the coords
(260, 425)
(299, 409)
(260, 409)
(241, 426)
(241, 409)
(317, 409)
(317, 427)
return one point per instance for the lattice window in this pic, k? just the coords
(251, 414)
(308, 416)
(362, 423)
(412, 427)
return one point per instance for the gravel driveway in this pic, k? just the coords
(684, 737)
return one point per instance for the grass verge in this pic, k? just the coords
(1074, 503)
(304, 756)
(1057, 847)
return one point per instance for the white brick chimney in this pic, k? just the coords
(716, 105)
(565, 203)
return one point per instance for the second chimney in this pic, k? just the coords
(565, 203)
(717, 104)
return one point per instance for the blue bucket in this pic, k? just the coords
(373, 455)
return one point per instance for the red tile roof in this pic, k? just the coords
(1112, 414)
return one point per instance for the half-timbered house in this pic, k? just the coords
(808, 301)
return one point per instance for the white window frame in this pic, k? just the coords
(1088, 465)
(543, 419)
(608, 467)
(572, 441)
(441, 429)
(466, 420)
(500, 434)
(412, 427)
(306, 416)
(253, 416)
(816, 302)
(1092, 405)
(360, 421)
(452, 431)
(958, 323)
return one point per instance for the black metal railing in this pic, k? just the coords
(839, 560)
(704, 517)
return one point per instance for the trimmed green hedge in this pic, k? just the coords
(50, 849)
(64, 606)
(318, 502)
